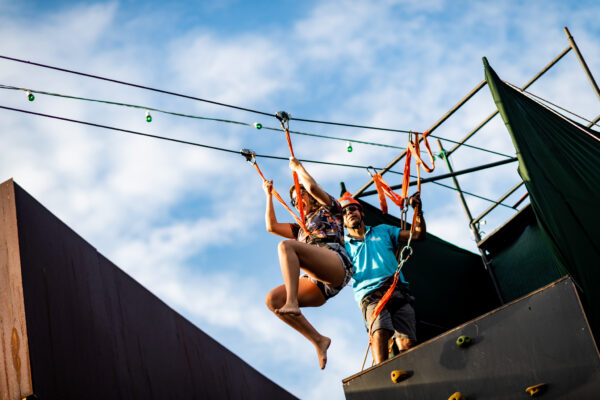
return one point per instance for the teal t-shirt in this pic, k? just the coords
(373, 258)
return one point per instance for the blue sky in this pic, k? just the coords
(188, 223)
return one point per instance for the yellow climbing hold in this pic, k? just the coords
(399, 375)
(456, 396)
(536, 389)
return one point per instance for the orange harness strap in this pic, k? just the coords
(388, 294)
(384, 190)
(283, 118)
(278, 197)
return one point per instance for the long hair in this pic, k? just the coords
(313, 201)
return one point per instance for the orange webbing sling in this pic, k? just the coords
(384, 190)
(250, 157)
(284, 120)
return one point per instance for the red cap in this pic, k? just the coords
(347, 199)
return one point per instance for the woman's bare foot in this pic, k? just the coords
(322, 347)
(292, 309)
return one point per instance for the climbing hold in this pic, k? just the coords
(457, 396)
(148, 116)
(399, 375)
(30, 96)
(257, 125)
(349, 147)
(536, 389)
(464, 341)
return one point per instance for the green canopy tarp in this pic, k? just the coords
(559, 161)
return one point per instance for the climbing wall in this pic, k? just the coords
(542, 338)
(75, 326)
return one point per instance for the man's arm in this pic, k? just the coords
(420, 229)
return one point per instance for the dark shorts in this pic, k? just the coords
(330, 291)
(398, 316)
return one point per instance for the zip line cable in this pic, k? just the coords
(136, 85)
(232, 106)
(177, 140)
(219, 148)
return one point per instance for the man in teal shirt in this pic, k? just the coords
(372, 250)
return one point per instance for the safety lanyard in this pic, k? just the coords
(251, 158)
(284, 120)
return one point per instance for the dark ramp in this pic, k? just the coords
(74, 326)
(541, 338)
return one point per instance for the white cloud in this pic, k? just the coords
(164, 212)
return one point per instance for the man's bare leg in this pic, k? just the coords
(379, 345)
(403, 344)
(321, 263)
(309, 295)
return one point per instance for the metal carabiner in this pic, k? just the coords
(369, 168)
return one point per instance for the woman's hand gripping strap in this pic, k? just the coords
(250, 156)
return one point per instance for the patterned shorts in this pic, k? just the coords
(328, 290)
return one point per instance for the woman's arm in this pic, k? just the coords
(271, 223)
(309, 182)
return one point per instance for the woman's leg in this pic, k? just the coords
(309, 295)
(321, 263)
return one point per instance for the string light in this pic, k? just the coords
(30, 96)
(349, 147)
(256, 125)
(148, 116)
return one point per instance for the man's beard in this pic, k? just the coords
(355, 224)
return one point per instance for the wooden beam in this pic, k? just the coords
(15, 371)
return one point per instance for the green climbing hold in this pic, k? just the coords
(463, 341)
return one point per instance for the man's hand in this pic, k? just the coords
(415, 200)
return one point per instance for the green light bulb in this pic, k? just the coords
(349, 147)
(30, 96)
(258, 125)
(148, 116)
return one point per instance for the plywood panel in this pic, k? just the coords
(15, 376)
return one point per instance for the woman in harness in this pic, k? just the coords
(319, 252)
